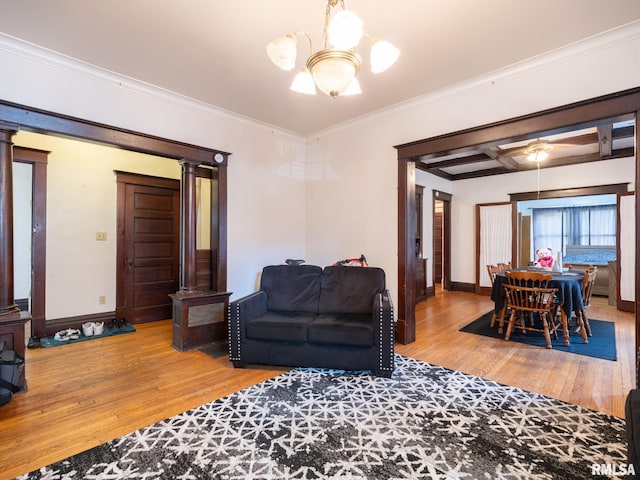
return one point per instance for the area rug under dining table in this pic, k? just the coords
(426, 422)
(602, 343)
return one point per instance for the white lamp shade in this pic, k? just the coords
(353, 88)
(303, 83)
(383, 55)
(282, 52)
(345, 30)
(333, 70)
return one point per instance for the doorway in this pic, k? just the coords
(562, 119)
(441, 241)
(32, 222)
(28, 119)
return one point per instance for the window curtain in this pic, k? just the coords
(603, 225)
(495, 238)
(549, 229)
(559, 227)
(627, 260)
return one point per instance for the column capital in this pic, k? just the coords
(7, 131)
(186, 163)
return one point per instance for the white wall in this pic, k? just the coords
(81, 200)
(466, 193)
(592, 68)
(335, 193)
(266, 199)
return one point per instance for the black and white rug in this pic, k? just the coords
(426, 422)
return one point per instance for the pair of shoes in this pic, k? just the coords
(118, 323)
(92, 328)
(68, 334)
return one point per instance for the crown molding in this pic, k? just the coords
(36, 53)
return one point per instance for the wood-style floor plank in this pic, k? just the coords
(87, 393)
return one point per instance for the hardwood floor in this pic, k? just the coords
(84, 394)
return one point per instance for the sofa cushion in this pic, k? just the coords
(292, 288)
(342, 329)
(280, 326)
(350, 289)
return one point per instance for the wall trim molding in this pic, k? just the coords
(32, 52)
(542, 62)
(596, 43)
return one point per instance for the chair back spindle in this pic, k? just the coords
(528, 293)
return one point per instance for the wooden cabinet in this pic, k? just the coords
(199, 319)
(421, 279)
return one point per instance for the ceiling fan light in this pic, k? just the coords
(303, 83)
(538, 156)
(282, 52)
(352, 89)
(333, 70)
(383, 55)
(345, 30)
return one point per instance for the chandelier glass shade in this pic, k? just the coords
(334, 68)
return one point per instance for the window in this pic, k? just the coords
(583, 225)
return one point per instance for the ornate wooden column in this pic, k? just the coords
(12, 321)
(188, 241)
(198, 316)
(8, 308)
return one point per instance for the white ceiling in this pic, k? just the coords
(214, 51)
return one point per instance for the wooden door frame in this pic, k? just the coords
(445, 198)
(123, 179)
(620, 103)
(38, 160)
(21, 117)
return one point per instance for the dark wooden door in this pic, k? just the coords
(150, 250)
(437, 242)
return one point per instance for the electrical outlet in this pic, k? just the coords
(101, 235)
(102, 300)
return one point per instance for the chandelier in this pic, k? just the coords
(334, 68)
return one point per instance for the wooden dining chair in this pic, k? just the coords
(504, 266)
(587, 289)
(493, 270)
(528, 294)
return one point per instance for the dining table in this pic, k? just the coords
(569, 295)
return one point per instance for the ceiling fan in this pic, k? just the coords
(539, 150)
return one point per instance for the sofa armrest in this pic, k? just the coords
(384, 333)
(240, 312)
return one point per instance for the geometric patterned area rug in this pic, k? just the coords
(602, 342)
(426, 422)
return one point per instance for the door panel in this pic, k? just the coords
(151, 246)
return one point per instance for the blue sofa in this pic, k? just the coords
(306, 316)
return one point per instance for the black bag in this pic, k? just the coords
(11, 365)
